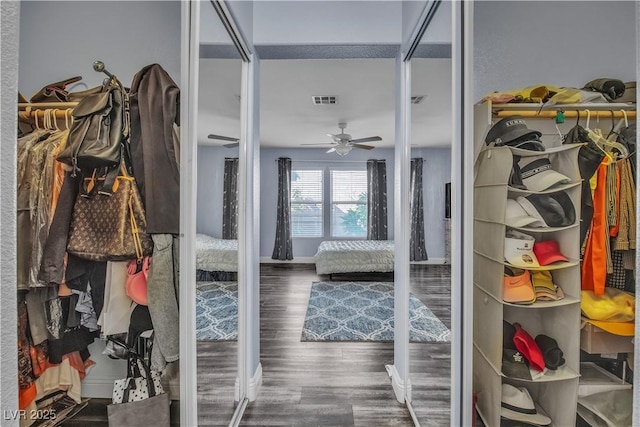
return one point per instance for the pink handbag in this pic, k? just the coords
(136, 285)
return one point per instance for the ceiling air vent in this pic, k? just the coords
(324, 99)
(417, 99)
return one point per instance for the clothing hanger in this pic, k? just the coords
(67, 115)
(599, 139)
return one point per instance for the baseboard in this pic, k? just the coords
(398, 385)
(311, 260)
(255, 383)
(434, 261)
(296, 260)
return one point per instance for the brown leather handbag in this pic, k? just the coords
(108, 221)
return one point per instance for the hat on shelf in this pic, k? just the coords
(517, 216)
(517, 287)
(551, 210)
(518, 405)
(526, 345)
(508, 332)
(614, 311)
(513, 131)
(544, 287)
(518, 250)
(553, 356)
(538, 175)
(514, 364)
(548, 252)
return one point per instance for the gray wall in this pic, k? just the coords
(436, 172)
(60, 39)
(63, 39)
(306, 247)
(565, 43)
(327, 22)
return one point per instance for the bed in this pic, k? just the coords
(354, 256)
(216, 254)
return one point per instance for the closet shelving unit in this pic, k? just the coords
(556, 391)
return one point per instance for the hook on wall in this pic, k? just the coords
(99, 67)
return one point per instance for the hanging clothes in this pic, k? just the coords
(594, 263)
(154, 110)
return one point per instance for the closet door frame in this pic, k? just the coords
(10, 18)
(249, 370)
(461, 207)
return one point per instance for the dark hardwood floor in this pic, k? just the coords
(319, 383)
(326, 383)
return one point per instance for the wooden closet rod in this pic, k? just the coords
(547, 114)
(44, 105)
(29, 114)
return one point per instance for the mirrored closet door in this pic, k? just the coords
(430, 259)
(327, 160)
(216, 240)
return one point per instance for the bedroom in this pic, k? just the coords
(289, 120)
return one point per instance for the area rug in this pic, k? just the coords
(363, 311)
(216, 311)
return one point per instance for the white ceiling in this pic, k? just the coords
(366, 98)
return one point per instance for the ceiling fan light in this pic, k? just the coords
(342, 149)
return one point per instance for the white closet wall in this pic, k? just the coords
(126, 36)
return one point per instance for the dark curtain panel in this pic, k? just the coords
(377, 200)
(283, 247)
(230, 199)
(417, 248)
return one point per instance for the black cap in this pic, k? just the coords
(510, 129)
(555, 209)
(553, 356)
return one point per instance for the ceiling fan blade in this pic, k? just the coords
(331, 150)
(223, 138)
(369, 139)
(232, 145)
(366, 147)
(322, 143)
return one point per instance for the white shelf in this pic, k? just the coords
(567, 300)
(599, 106)
(550, 267)
(556, 391)
(563, 373)
(553, 189)
(532, 229)
(550, 150)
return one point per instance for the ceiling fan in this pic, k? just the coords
(342, 142)
(234, 141)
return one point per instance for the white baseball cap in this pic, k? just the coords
(518, 250)
(517, 216)
(538, 175)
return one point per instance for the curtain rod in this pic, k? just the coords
(332, 161)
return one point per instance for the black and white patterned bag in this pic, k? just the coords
(141, 382)
(136, 388)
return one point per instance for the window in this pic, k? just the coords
(345, 213)
(307, 203)
(349, 203)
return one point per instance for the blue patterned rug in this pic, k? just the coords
(363, 311)
(217, 311)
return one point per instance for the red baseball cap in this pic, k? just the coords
(548, 252)
(526, 345)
